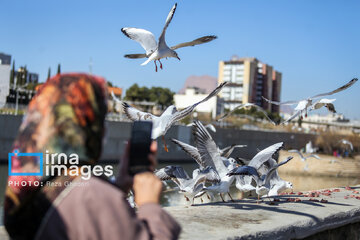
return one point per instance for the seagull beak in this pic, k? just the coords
(178, 58)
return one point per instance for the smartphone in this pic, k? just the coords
(140, 147)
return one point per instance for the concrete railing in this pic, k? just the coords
(117, 133)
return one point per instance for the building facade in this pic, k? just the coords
(193, 95)
(5, 69)
(250, 79)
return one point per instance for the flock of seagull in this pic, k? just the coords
(216, 170)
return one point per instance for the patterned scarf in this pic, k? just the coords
(66, 116)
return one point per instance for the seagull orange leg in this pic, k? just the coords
(165, 147)
(160, 64)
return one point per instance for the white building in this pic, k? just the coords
(5, 69)
(193, 95)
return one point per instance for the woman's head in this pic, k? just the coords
(66, 116)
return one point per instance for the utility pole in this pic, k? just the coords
(90, 65)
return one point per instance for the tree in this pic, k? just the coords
(59, 69)
(162, 96)
(49, 74)
(25, 76)
(12, 75)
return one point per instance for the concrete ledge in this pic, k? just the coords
(245, 219)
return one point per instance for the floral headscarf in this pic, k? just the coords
(66, 116)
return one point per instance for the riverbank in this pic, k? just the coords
(326, 166)
(291, 217)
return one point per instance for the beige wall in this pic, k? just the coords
(221, 73)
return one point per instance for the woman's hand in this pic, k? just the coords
(147, 188)
(124, 180)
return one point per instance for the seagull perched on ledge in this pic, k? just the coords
(303, 105)
(158, 50)
(162, 123)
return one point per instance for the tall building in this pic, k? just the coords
(250, 79)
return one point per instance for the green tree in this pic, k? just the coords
(49, 74)
(59, 69)
(136, 93)
(12, 75)
(25, 76)
(162, 96)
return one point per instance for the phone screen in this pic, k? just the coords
(140, 147)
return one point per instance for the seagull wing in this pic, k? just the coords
(211, 127)
(226, 152)
(245, 105)
(272, 171)
(136, 115)
(313, 156)
(346, 86)
(322, 102)
(197, 41)
(167, 22)
(297, 113)
(208, 149)
(245, 170)
(211, 175)
(142, 36)
(165, 173)
(296, 151)
(280, 103)
(190, 150)
(135, 56)
(177, 116)
(264, 155)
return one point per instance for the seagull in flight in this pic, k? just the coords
(246, 105)
(155, 51)
(303, 105)
(303, 158)
(162, 123)
(328, 103)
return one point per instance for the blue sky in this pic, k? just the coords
(315, 44)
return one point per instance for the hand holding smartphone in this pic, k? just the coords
(140, 147)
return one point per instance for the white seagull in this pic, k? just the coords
(328, 103)
(194, 153)
(303, 105)
(209, 151)
(303, 158)
(246, 105)
(277, 184)
(162, 123)
(188, 186)
(158, 50)
(263, 183)
(243, 183)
